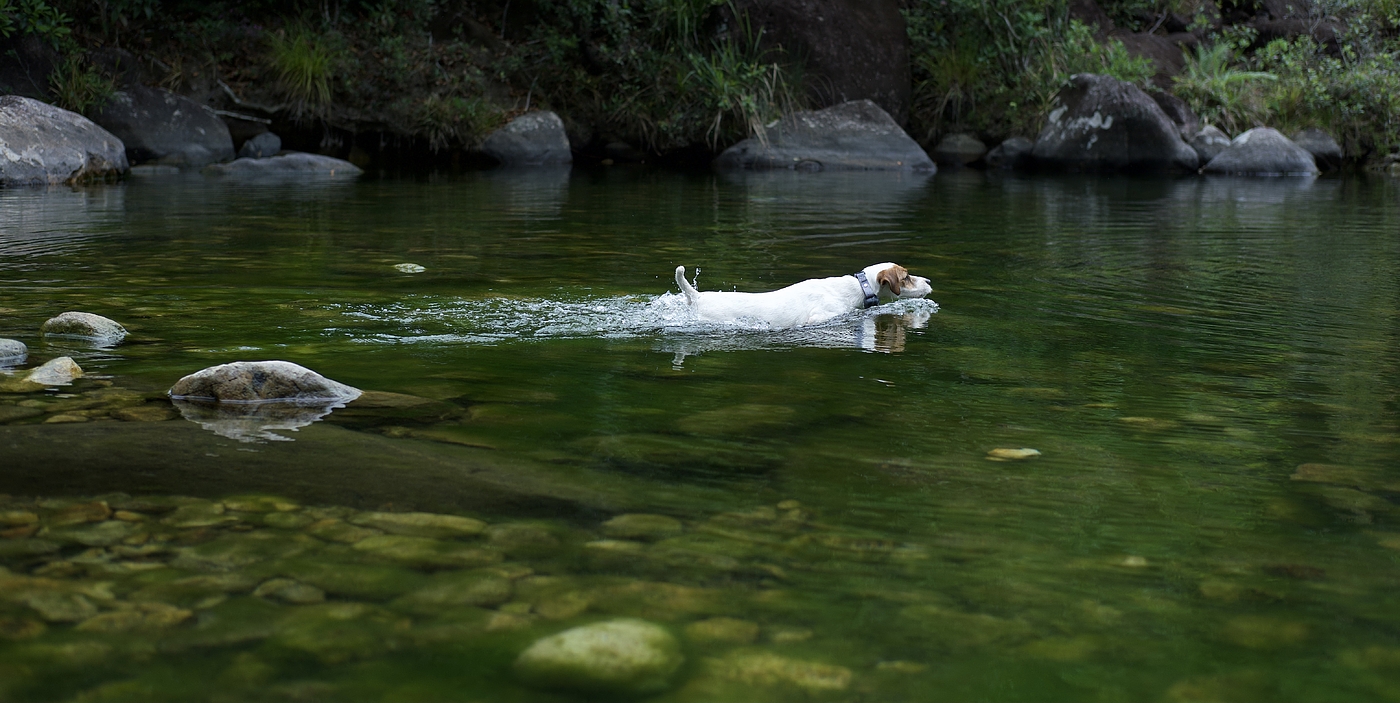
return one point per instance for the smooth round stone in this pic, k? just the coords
(84, 325)
(422, 551)
(12, 351)
(55, 372)
(1009, 454)
(136, 617)
(624, 656)
(251, 381)
(642, 526)
(457, 588)
(421, 524)
(409, 268)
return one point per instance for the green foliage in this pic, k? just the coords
(456, 120)
(995, 67)
(33, 17)
(1220, 91)
(736, 85)
(1356, 97)
(78, 86)
(304, 62)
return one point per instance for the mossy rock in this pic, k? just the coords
(451, 589)
(375, 582)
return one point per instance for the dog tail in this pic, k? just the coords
(689, 290)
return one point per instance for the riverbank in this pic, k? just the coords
(409, 84)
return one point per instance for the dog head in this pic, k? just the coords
(896, 279)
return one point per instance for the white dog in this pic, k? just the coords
(809, 302)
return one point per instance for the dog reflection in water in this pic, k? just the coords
(888, 333)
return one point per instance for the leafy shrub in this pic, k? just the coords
(78, 86)
(456, 120)
(1220, 91)
(33, 17)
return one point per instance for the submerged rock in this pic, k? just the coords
(1263, 152)
(422, 551)
(46, 145)
(642, 526)
(624, 656)
(295, 163)
(851, 136)
(254, 381)
(84, 325)
(1104, 124)
(761, 668)
(450, 589)
(532, 139)
(421, 524)
(136, 617)
(731, 630)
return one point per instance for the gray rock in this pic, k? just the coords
(1325, 150)
(1209, 142)
(55, 372)
(624, 656)
(84, 325)
(253, 381)
(261, 146)
(1012, 153)
(254, 421)
(1179, 112)
(1104, 124)
(1263, 152)
(12, 352)
(159, 126)
(296, 163)
(959, 149)
(532, 139)
(44, 145)
(852, 136)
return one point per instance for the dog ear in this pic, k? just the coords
(889, 277)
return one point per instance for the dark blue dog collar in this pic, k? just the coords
(872, 296)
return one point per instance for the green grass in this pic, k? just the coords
(304, 63)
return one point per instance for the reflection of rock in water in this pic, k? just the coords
(833, 201)
(38, 222)
(529, 193)
(253, 422)
(881, 329)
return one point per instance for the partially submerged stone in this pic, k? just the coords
(12, 352)
(625, 656)
(1208, 142)
(261, 146)
(532, 139)
(159, 126)
(1011, 454)
(959, 149)
(1015, 152)
(55, 372)
(852, 136)
(84, 325)
(1327, 153)
(293, 164)
(46, 145)
(1263, 152)
(255, 381)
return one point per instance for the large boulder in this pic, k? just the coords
(850, 49)
(1015, 152)
(1208, 142)
(259, 381)
(625, 656)
(532, 139)
(1325, 150)
(959, 149)
(852, 136)
(84, 325)
(162, 127)
(296, 163)
(1263, 152)
(1179, 112)
(1104, 124)
(44, 145)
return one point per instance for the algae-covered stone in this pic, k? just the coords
(238, 550)
(59, 606)
(1012, 454)
(624, 656)
(145, 413)
(32, 547)
(421, 524)
(642, 526)
(761, 668)
(658, 600)
(288, 521)
(101, 534)
(15, 518)
(235, 621)
(526, 538)
(190, 591)
(333, 530)
(450, 589)
(79, 513)
(260, 504)
(728, 630)
(290, 591)
(200, 513)
(84, 325)
(136, 617)
(421, 551)
(340, 632)
(1263, 632)
(351, 580)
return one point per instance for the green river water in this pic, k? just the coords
(1208, 368)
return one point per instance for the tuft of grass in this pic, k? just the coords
(304, 63)
(740, 90)
(1219, 91)
(78, 86)
(453, 120)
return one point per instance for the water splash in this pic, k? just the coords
(665, 318)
